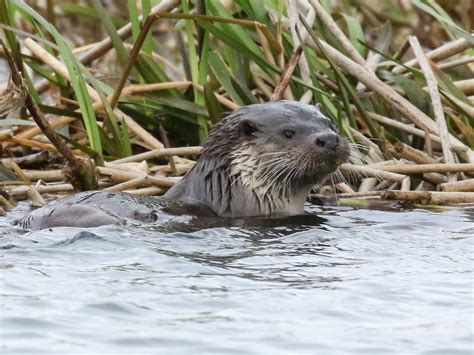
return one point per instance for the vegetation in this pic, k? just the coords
(173, 75)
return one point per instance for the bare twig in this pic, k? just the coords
(132, 58)
(286, 76)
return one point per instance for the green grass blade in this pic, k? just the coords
(109, 27)
(77, 79)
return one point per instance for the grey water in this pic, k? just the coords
(350, 281)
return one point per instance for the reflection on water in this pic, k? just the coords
(345, 281)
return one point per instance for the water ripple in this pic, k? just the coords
(348, 281)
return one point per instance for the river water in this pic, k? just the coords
(349, 281)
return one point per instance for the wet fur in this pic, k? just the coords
(241, 173)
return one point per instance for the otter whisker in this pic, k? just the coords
(290, 178)
(271, 176)
(270, 170)
(331, 177)
(283, 170)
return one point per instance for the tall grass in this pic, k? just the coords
(238, 53)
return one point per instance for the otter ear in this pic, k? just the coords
(247, 127)
(318, 106)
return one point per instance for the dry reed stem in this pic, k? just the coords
(11, 182)
(82, 170)
(35, 144)
(466, 86)
(261, 85)
(466, 107)
(165, 152)
(45, 175)
(180, 168)
(405, 185)
(12, 165)
(344, 188)
(428, 168)
(140, 88)
(20, 192)
(464, 186)
(266, 49)
(367, 185)
(456, 62)
(299, 31)
(6, 135)
(445, 51)
(35, 197)
(406, 128)
(4, 202)
(436, 102)
(355, 194)
(121, 175)
(60, 68)
(139, 166)
(367, 171)
(169, 64)
(434, 178)
(430, 197)
(130, 184)
(34, 131)
(228, 103)
(417, 156)
(102, 47)
(125, 32)
(30, 159)
(147, 191)
(390, 95)
(331, 25)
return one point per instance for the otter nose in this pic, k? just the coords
(329, 141)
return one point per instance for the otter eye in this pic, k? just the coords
(288, 133)
(248, 127)
(334, 128)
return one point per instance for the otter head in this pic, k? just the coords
(263, 160)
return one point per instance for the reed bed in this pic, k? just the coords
(128, 112)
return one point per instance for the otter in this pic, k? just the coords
(261, 160)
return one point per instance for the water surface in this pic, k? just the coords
(351, 281)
